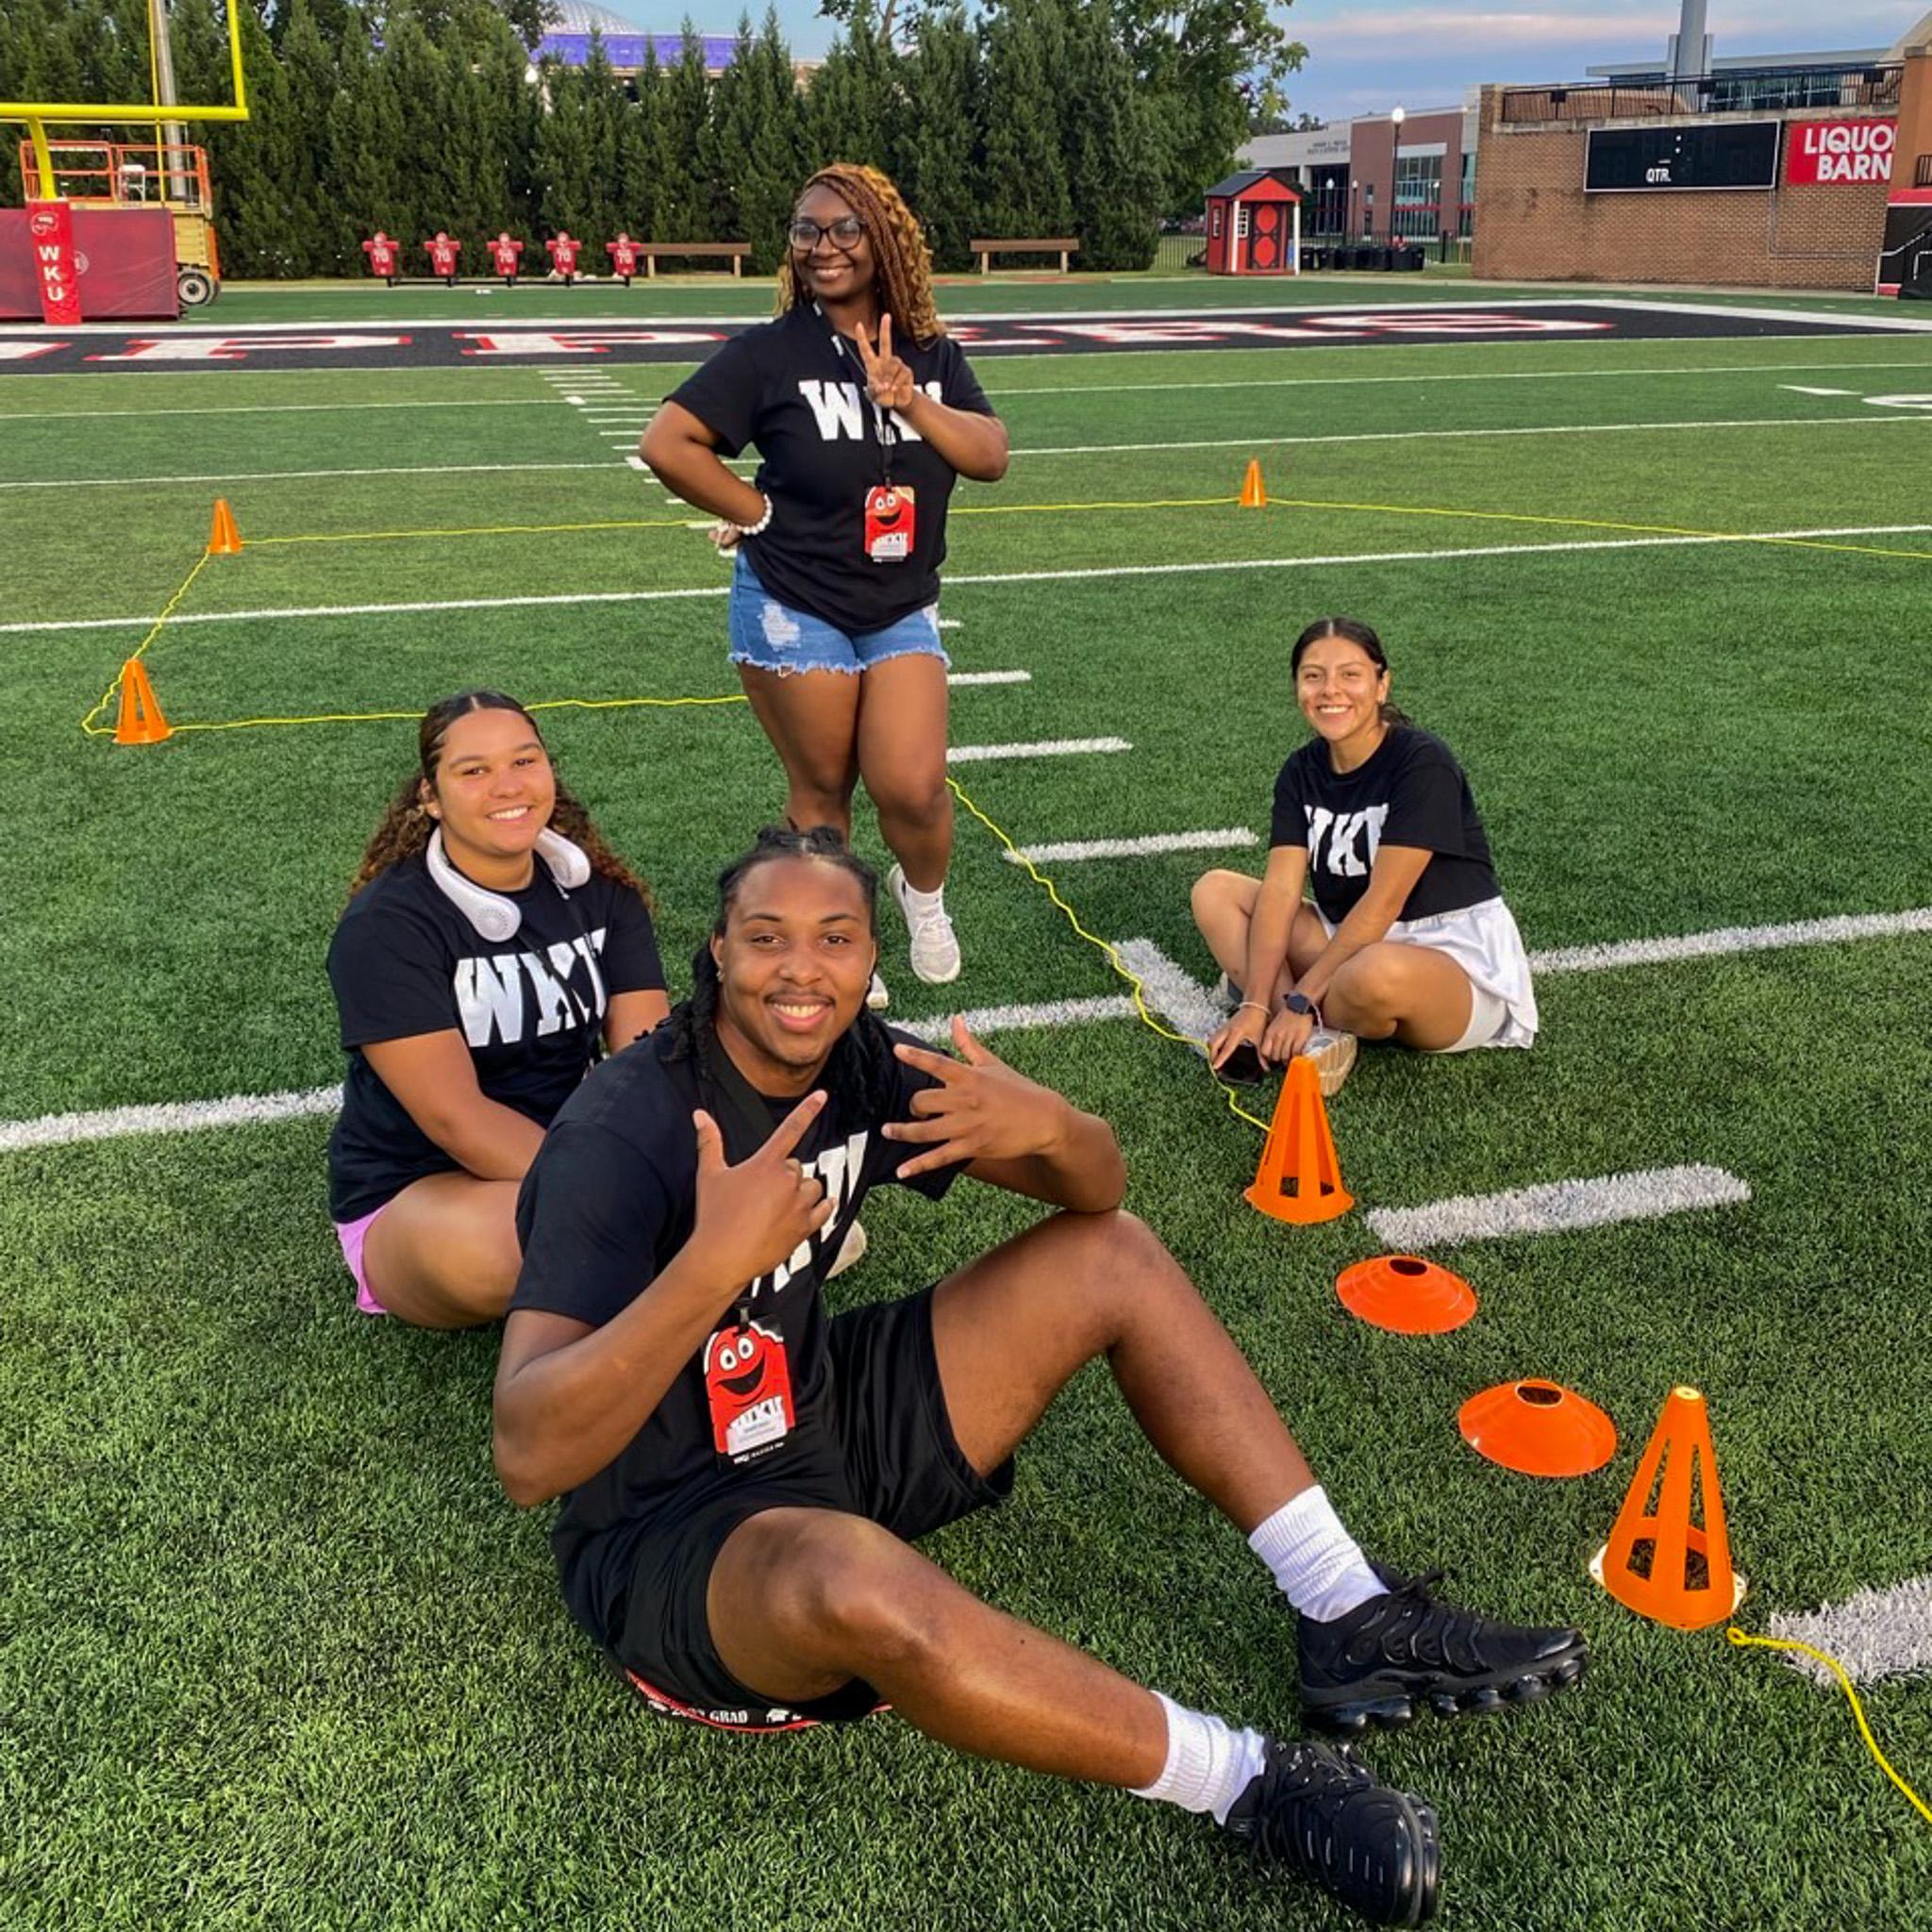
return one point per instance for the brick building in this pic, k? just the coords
(1767, 179)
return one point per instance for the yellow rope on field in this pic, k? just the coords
(387, 717)
(1838, 1670)
(1509, 516)
(474, 530)
(1108, 951)
(86, 724)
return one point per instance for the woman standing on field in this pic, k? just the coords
(864, 413)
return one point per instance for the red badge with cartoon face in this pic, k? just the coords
(748, 1384)
(889, 523)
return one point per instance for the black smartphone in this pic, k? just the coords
(1243, 1067)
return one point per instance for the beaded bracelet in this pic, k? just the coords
(758, 529)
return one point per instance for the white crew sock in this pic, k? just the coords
(1316, 1564)
(923, 904)
(1208, 1764)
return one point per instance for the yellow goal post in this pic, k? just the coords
(37, 114)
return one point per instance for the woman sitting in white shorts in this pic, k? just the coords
(1407, 937)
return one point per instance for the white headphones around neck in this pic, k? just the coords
(494, 916)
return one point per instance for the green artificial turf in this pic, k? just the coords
(275, 1651)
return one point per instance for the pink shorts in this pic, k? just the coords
(351, 1234)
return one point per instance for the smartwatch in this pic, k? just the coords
(1299, 1003)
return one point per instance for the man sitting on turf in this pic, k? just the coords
(742, 1478)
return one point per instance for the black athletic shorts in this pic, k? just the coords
(901, 1467)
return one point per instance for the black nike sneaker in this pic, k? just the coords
(1395, 1652)
(1320, 1812)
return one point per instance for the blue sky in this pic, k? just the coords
(1366, 56)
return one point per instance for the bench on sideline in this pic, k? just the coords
(1064, 246)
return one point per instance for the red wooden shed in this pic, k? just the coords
(1254, 224)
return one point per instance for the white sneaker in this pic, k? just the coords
(877, 997)
(935, 945)
(1333, 1053)
(851, 1251)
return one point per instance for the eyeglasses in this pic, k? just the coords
(806, 233)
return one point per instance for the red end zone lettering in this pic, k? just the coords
(1455, 323)
(1127, 334)
(579, 342)
(239, 348)
(23, 352)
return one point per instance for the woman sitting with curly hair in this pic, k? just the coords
(864, 413)
(493, 949)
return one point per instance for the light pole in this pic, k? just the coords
(1397, 116)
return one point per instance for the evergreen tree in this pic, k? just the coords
(854, 111)
(772, 164)
(641, 138)
(1025, 190)
(257, 166)
(309, 69)
(726, 135)
(369, 136)
(943, 119)
(684, 204)
(1113, 179)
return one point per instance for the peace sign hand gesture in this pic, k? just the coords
(751, 1216)
(888, 381)
(980, 1111)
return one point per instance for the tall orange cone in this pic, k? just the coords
(224, 540)
(141, 721)
(1254, 491)
(1299, 1178)
(1658, 1562)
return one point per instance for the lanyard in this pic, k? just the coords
(883, 433)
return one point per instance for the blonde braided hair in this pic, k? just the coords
(406, 826)
(903, 262)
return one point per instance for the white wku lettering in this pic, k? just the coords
(835, 405)
(491, 999)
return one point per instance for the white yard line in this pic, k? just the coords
(1169, 990)
(989, 678)
(984, 1020)
(1556, 1206)
(1100, 389)
(275, 408)
(1253, 441)
(298, 475)
(1035, 576)
(1873, 1633)
(1732, 938)
(1083, 449)
(1233, 837)
(1040, 748)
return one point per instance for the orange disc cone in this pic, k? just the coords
(141, 721)
(1405, 1295)
(1254, 491)
(1658, 1562)
(224, 538)
(1537, 1429)
(1299, 1178)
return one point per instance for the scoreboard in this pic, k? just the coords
(1722, 153)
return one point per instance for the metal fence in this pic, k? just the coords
(1738, 91)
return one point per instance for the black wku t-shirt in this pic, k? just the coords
(1410, 792)
(406, 960)
(792, 387)
(607, 1204)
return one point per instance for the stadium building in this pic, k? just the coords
(572, 22)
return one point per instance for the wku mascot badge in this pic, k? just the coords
(748, 1384)
(889, 523)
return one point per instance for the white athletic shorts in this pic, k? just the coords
(1484, 941)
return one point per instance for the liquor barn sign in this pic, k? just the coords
(1839, 151)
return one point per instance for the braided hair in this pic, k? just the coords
(406, 826)
(903, 274)
(862, 1069)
